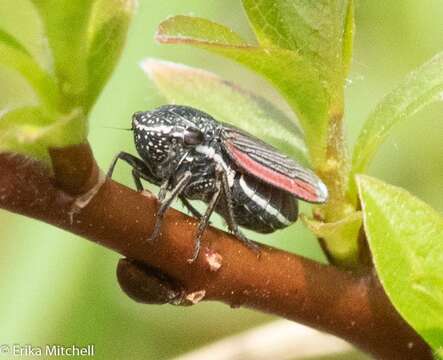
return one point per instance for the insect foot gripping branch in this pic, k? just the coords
(191, 156)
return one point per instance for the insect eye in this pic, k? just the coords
(193, 136)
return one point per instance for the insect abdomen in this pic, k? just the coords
(261, 207)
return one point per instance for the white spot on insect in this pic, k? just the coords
(322, 192)
(151, 130)
(210, 153)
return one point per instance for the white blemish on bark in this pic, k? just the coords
(196, 296)
(213, 259)
(148, 194)
(83, 200)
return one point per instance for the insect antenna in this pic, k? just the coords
(117, 128)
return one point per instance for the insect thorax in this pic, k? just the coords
(161, 136)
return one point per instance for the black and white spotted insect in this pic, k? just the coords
(194, 157)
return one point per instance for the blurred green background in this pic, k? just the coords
(58, 288)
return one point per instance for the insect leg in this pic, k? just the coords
(204, 221)
(167, 201)
(163, 189)
(136, 176)
(141, 167)
(194, 212)
(232, 223)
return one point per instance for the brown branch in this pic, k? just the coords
(345, 304)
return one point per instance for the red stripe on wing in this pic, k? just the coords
(297, 187)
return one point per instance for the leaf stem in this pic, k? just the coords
(334, 172)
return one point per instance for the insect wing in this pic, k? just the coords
(270, 166)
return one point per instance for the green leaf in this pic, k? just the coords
(296, 78)
(348, 38)
(107, 34)
(405, 236)
(192, 29)
(66, 25)
(227, 102)
(19, 131)
(13, 56)
(319, 30)
(85, 38)
(31, 130)
(419, 88)
(12, 42)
